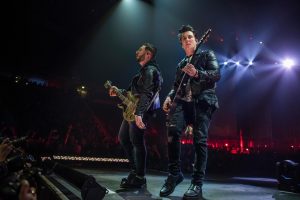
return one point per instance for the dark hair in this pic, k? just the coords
(150, 47)
(185, 28)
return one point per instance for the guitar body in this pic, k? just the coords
(129, 108)
(128, 105)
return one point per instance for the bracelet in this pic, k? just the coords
(196, 73)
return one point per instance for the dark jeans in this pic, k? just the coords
(132, 140)
(199, 115)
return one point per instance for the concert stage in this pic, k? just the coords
(215, 187)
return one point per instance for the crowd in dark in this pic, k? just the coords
(55, 120)
(58, 121)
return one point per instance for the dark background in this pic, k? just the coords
(65, 44)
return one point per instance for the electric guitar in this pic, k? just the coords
(129, 102)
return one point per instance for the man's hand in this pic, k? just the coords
(139, 122)
(27, 192)
(5, 149)
(189, 130)
(190, 70)
(167, 104)
(113, 91)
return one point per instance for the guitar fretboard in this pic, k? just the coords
(122, 97)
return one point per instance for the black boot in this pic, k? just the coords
(125, 181)
(193, 192)
(133, 182)
(170, 184)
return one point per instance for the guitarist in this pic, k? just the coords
(145, 86)
(195, 102)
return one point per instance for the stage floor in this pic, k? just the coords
(215, 187)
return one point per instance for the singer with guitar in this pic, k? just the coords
(141, 99)
(190, 103)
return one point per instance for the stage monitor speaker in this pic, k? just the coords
(90, 189)
(288, 175)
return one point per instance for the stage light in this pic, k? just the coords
(288, 63)
(94, 159)
(237, 63)
(250, 63)
(82, 91)
(225, 63)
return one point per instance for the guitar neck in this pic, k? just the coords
(192, 60)
(206, 34)
(118, 92)
(122, 97)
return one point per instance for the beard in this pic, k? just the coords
(140, 58)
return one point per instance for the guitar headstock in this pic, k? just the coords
(205, 36)
(201, 41)
(107, 84)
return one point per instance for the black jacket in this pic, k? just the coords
(203, 87)
(145, 85)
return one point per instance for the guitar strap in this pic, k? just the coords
(152, 100)
(157, 92)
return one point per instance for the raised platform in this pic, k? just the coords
(215, 187)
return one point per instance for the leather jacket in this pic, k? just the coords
(145, 85)
(203, 87)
